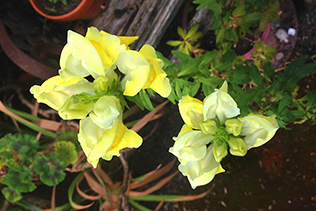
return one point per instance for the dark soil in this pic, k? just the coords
(58, 8)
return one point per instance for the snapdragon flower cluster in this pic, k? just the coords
(100, 56)
(211, 128)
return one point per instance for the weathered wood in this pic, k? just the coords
(148, 19)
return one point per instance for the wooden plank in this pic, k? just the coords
(147, 19)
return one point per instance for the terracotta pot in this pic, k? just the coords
(264, 37)
(87, 9)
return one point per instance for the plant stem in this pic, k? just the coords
(122, 203)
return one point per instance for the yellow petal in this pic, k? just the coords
(191, 110)
(108, 46)
(126, 40)
(258, 129)
(157, 80)
(136, 69)
(55, 91)
(105, 111)
(85, 55)
(220, 106)
(125, 138)
(203, 171)
(71, 110)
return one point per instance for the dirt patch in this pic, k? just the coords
(58, 8)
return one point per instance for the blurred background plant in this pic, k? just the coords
(233, 20)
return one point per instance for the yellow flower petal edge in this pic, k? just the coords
(125, 138)
(55, 91)
(220, 105)
(79, 53)
(157, 80)
(136, 69)
(191, 111)
(203, 171)
(105, 143)
(105, 111)
(126, 40)
(108, 47)
(190, 146)
(185, 128)
(258, 129)
(94, 140)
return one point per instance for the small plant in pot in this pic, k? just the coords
(67, 10)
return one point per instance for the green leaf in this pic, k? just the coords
(242, 74)
(297, 114)
(136, 99)
(72, 188)
(23, 114)
(193, 30)
(50, 168)
(311, 97)
(182, 32)
(284, 103)
(23, 146)
(138, 206)
(204, 3)
(253, 16)
(211, 81)
(164, 59)
(178, 89)
(298, 70)
(27, 205)
(19, 179)
(275, 87)
(256, 76)
(11, 194)
(146, 100)
(229, 56)
(240, 10)
(71, 136)
(66, 151)
(174, 43)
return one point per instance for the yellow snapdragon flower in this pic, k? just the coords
(105, 143)
(211, 127)
(55, 91)
(95, 54)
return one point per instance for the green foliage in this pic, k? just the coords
(188, 39)
(71, 136)
(19, 179)
(18, 152)
(234, 19)
(11, 195)
(50, 168)
(18, 149)
(256, 88)
(66, 151)
(264, 54)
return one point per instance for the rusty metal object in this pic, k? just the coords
(25, 62)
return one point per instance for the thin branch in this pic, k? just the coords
(122, 203)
